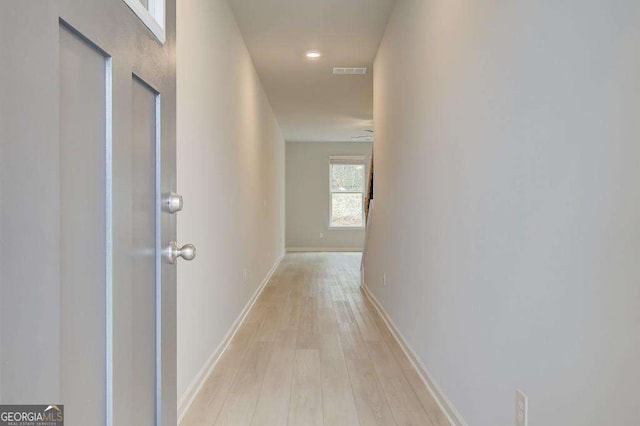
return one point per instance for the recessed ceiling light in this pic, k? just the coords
(313, 54)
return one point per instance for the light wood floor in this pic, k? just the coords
(314, 351)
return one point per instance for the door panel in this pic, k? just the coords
(81, 141)
(29, 222)
(83, 229)
(144, 142)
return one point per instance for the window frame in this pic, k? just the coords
(152, 17)
(356, 160)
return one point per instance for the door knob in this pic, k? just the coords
(172, 203)
(172, 252)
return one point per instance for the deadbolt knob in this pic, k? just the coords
(172, 203)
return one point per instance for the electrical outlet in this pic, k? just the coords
(384, 280)
(522, 408)
(321, 235)
(245, 274)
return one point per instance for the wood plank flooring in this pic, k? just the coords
(314, 351)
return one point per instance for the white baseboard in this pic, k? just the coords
(192, 391)
(450, 411)
(322, 249)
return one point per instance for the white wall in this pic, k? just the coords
(507, 203)
(231, 174)
(307, 194)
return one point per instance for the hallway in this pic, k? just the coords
(313, 350)
(483, 156)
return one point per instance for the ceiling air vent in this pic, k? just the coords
(349, 70)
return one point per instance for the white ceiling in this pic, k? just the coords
(312, 104)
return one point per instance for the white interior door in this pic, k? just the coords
(87, 314)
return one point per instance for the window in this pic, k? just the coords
(346, 175)
(151, 13)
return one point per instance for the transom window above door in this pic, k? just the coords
(347, 185)
(151, 13)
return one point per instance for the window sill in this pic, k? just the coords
(148, 19)
(345, 228)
